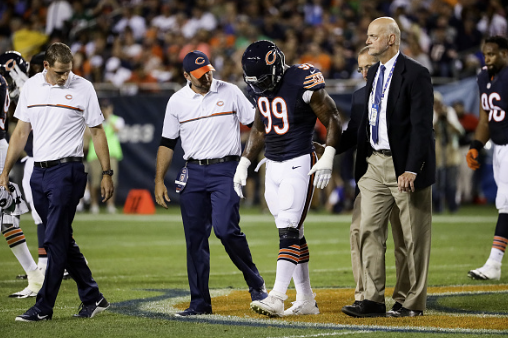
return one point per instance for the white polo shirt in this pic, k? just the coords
(208, 125)
(58, 115)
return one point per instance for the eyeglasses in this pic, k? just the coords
(361, 70)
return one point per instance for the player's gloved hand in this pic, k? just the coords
(240, 178)
(471, 159)
(323, 168)
(472, 154)
(18, 76)
(5, 199)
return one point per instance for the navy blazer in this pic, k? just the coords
(409, 119)
(349, 136)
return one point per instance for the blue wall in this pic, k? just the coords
(144, 117)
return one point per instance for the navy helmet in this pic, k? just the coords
(263, 66)
(7, 61)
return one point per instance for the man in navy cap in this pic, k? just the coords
(205, 116)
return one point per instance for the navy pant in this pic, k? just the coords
(207, 201)
(56, 193)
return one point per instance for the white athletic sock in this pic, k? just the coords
(283, 275)
(24, 257)
(302, 281)
(496, 255)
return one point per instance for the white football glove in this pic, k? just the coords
(5, 199)
(18, 76)
(240, 178)
(323, 168)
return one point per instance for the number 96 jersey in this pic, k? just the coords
(287, 116)
(494, 100)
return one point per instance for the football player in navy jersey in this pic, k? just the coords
(493, 125)
(13, 69)
(288, 101)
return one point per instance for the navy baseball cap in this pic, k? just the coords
(197, 64)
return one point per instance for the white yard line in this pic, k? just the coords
(246, 219)
(331, 334)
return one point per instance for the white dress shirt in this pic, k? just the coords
(383, 142)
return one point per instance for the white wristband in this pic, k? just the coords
(244, 162)
(329, 153)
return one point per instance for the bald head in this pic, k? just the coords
(383, 38)
(388, 26)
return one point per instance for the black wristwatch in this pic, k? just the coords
(107, 172)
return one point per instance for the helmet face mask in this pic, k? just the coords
(263, 66)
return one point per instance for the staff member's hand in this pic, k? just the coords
(4, 181)
(161, 194)
(107, 187)
(406, 182)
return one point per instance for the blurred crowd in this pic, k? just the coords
(122, 41)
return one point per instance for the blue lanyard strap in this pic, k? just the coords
(386, 83)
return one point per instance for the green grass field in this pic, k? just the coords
(140, 265)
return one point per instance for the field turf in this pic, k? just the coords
(139, 263)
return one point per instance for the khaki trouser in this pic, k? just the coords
(402, 284)
(379, 194)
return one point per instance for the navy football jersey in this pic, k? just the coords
(494, 100)
(5, 100)
(289, 121)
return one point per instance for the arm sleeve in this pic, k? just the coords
(169, 142)
(421, 115)
(21, 112)
(245, 109)
(93, 114)
(171, 126)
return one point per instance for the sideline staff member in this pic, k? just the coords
(206, 115)
(349, 140)
(58, 105)
(395, 164)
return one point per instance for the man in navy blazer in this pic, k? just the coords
(395, 165)
(348, 141)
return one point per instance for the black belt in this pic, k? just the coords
(215, 160)
(49, 164)
(386, 152)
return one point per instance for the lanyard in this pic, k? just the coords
(386, 83)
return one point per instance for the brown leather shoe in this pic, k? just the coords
(403, 312)
(365, 308)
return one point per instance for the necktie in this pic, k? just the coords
(377, 102)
